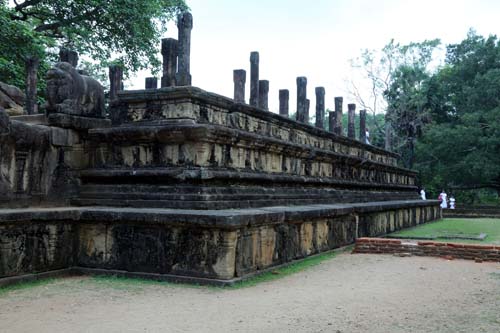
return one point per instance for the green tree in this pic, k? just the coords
(127, 31)
(383, 73)
(461, 148)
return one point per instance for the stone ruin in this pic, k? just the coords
(181, 184)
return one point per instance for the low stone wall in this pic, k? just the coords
(473, 212)
(219, 244)
(431, 249)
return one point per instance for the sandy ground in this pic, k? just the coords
(349, 293)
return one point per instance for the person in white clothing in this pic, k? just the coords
(422, 194)
(452, 202)
(443, 198)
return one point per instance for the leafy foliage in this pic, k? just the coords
(461, 149)
(128, 31)
(389, 74)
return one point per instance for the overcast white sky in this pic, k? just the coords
(315, 38)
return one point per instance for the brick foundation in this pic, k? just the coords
(428, 248)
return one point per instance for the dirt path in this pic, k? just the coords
(350, 293)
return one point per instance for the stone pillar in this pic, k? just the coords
(331, 121)
(239, 79)
(339, 101)
(388, 135)
(66, 55)
(264, 95)
(284, 98)
(169, 53)
(185, 25)
(32, 63)
(308, 107)
(254, 79)
(362, 126)
(302, 115)
(351, 131)
(151, 83)
(115, 81)
(320, 107)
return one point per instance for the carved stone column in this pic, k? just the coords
(339, 101)
(302, 114)
(169, 53)
(331, 121)
(254, 79)
(185, 25)
(264, 95)
(20, 157)
(284, 95)
(351, 131)
(388, 135)
(32, 63)
(362, 126)
(115, 80)
(320, 107)
(239, 79)
(151, 83)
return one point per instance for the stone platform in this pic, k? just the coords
(202, 246)
(188, 185)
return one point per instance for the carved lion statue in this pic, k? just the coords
(72, 93)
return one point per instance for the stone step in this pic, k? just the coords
(131, 188)
(186, 204)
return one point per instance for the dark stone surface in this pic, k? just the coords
(75, 122)
(4, 122)
(32, 64)
(185, 25)
(169, 53)
(226, 219)
(284, 96)
(320, 107)
(362, 126)
(388, 136)
(30, 248)
(264, 95)
(199, 96)
(115, 81)
(338, 115)
(351, 114)
(69, 56)
(331, 121)
(239, 79)
(74, 94)
(302, 111)
(254, 79)
(215, 244)
(151, 83)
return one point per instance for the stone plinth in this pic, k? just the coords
(213, 246)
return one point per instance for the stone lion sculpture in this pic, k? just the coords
(72, 93)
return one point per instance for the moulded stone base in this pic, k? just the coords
(217, 244)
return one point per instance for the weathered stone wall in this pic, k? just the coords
(37, 162)
(221, 245)
(27, 247)
(189, 103)
(27, 163)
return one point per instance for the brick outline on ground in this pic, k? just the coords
(428, 248)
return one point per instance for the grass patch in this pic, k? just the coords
(292, 268)
(138, 284)
(127, 283)
(454, 226)
(26, 285)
